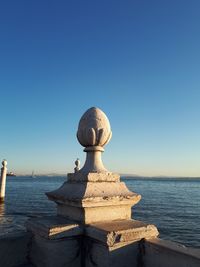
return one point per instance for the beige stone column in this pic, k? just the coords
(3, 181)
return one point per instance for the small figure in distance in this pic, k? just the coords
(77, 163)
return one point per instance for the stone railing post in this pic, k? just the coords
(93, 226)
(93, 193)
(3, 181)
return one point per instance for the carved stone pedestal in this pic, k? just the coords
(93, 227)
(95, 200)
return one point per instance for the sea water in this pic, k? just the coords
(172, 204)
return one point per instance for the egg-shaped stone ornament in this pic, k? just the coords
(4, 163)
(94, 128)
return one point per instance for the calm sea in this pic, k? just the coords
(173, 205)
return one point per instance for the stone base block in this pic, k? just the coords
(116, 243)
(93, 177)
(117, 232)
(56, 242)
(56, 253)
(90, 215)
(101, 255)
(53, 227)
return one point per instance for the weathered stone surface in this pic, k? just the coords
(162, 253)
(99, 255)
(53, 227)
(95, 214)
(94, 128)
(119, 232)
(14, 249)
(56, 253)
(93, 194)
(93, 177)
(116, 243)
(94, 201)
(93, 133)
(56, 242)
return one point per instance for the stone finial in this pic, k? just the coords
(77, 164)
(93, 194)
(94, 129)
(4, 163)
(94, 132)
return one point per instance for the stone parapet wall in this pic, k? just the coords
(14, 249)
(15, 252)
(162, 253)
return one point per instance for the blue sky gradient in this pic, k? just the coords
(139, 61)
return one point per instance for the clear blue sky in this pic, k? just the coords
(139, 61)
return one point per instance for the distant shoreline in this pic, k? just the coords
(158, 177)
(123, 176)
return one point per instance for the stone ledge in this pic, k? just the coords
(53, 227)
(174, 247)
(123, 231)
(90, 191)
